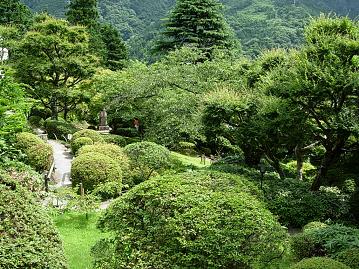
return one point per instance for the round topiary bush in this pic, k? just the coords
(39, 154)
(27, 140)
(319, 263)
(36, 121)
(59, 129)
(190, 220)
(115, 139)
(94, 135)
(79, 143)
(28, 237)
(349, 257)
(92, 169)
(147, 157)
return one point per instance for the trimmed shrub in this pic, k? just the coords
(190, 220)
(115, 139)
(59, 128)
(108, 190)
(79, 143)
(39, 154)
(147, 158)
(349, 257)
(186, 148)
(94, 135)
(296, 205)
(306, 246)
(28, 237)
(315, 225)
(319, 263)
(92, 169)
(27, 140)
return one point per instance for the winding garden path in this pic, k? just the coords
(63, 159)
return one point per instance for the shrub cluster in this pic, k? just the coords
(28, 238)
(296, 205)
(58, 128)
(349, 257)
(190, 220)
(115, 139)
(36, 121)
(39, 154)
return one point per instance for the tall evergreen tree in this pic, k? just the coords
(196, 23)
(83, 12)
(13, 12)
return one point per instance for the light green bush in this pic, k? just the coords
(28, 237)
(95, 136)
(39, 154)
(314, 226)
(79, 143)
(92, 169)
(319, 263)
(190, 220)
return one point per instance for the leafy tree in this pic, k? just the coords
(13, 12)
(196, 23)
(322, 82)
(53, 59)
(83, 12)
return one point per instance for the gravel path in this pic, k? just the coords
(63, 159)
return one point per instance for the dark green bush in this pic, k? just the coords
(94, 135)
(328, 240)
(79, 143)
(39, 154)
(58, 128)
(190, 220)
(108, 190)
(349, 257)
(354, 205)
(115, 139)
(186, 148)
(36, 121)
(92, 169)
(296, 205)
(28, 237)
(147, 158)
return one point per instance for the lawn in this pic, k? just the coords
(189, 160)
(78, 236)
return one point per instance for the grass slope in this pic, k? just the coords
(78, 235)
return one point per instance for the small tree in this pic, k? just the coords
(53, 59)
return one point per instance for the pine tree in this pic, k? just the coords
(196, 23)
(83, 12)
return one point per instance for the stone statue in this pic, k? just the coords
(103, 121)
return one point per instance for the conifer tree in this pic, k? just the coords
(196, 23)
(83, 12)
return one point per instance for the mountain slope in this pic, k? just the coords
(259, 24)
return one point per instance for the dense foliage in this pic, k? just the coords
(28, 237)
(319, 263)
(189, 220)
(92, 134)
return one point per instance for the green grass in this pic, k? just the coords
(189, 160)
(78, 236)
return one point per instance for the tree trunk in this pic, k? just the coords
(54, 111)
(274, 162)
(300, 160)
(330, 157)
